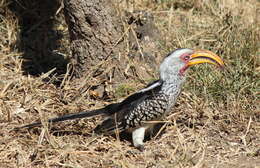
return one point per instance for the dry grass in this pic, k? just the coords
(216, 122)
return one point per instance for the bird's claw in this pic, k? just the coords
(140, 148)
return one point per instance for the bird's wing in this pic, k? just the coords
(151, 86)
(135, 98)
(117, 117)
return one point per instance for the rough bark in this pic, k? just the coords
(93, 30)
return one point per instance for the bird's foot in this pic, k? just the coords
(140, 148)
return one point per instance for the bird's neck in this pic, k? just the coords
(172, 84)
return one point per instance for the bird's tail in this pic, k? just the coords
(83, 114)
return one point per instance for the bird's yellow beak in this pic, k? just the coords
(205, 56)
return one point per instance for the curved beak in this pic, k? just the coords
(205, 56)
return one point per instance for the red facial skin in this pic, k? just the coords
(185, 58)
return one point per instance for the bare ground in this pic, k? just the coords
(216, 122)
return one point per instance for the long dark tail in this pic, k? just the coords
(83, 114)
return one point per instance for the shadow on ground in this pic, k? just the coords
(38, 40)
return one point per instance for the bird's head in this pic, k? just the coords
(178, 61)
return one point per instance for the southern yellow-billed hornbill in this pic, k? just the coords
(151, 103)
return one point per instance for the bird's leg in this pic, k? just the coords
(138, 138)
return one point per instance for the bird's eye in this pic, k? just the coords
(186, 57)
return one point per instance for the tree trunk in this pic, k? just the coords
(93, 32)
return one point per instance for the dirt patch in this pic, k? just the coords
(216, 122)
